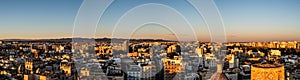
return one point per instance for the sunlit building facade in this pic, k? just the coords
(267, 72)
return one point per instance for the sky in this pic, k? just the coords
(244, 20)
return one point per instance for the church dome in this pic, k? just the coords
(218, 76)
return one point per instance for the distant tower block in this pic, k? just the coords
(267, 72)
(125, 45)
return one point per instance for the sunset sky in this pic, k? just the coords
(244, 20)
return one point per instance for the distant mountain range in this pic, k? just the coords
(96, 39)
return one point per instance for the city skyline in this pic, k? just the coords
(248, 20)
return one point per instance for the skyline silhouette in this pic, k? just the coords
(247, 20)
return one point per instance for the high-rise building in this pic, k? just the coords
(298, 45)
(148, 72)
(172, 67)
(199, 51)
(236, 62)
(125, 45)
(231, 59)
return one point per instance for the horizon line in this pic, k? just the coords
(143, 39)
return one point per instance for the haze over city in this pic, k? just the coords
(244, 20)
(149, 40)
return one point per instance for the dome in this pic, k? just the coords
(218, 76)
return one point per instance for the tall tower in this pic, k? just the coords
(125, 45)
(218, 75)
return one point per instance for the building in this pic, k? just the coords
(149, 72)
(174, 48)
(298, 45)
(231, 60)
(171, 49)
(275, 53)
(84, 72)
(267, 72)
(134, 72)
(172, 67)
(218, 75)
(232, 76)
(65, 66)
(92, 71)
(114, 72)
(104, 49)
(192, 76)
